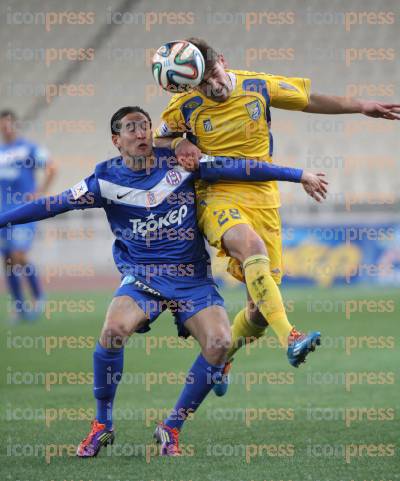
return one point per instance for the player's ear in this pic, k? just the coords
(115, 140)
(222, 60)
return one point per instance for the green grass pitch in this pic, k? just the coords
(333, 419)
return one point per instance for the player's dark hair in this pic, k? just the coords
(8, 113)
(209, 54)
(120, 114)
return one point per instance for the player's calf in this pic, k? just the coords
(221, 385)
(123, 318)
(216, 351)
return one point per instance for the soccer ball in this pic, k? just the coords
(178, 66)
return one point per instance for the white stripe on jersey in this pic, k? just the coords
(144, 198)
(207, 158)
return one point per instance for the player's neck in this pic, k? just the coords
(9, 139)
(140, 162)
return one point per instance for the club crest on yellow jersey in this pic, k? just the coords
(254, 109)
(207, 125)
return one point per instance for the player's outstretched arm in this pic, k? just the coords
(230, 168)
(331, 104)
(227, 168)
(46, 207)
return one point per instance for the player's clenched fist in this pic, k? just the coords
(315, 185)
(188, 155)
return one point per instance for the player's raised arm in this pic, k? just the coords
(172, 128)
(295, 94)
(170, 135)
(331, 104)
(78, 197)
(213, 169)
(186, 153)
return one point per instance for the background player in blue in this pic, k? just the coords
(150, 206)
(19, 159)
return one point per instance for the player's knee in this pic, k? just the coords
(254, 245)
(218, 344)
(115, 332)
(17, 258)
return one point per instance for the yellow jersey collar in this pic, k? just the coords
(232, 76)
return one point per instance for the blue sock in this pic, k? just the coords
(199, 382)
(32, 277)
(107, 365)
(13, 277)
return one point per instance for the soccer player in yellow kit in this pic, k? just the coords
(229, 114)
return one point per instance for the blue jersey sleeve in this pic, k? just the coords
(84, 195)
(213, 169)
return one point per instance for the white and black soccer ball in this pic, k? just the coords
(178, 66)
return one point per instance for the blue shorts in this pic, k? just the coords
(183, 297)
(17, 238)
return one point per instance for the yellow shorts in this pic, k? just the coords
(217, 217)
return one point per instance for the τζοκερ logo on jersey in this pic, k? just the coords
(152, 223)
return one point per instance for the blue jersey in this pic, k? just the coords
(151, 212)
(18, 161)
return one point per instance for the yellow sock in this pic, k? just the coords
(243, 332)
(266, 295)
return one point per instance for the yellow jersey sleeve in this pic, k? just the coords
(172, 120)
(288, 93)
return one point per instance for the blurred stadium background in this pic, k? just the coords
(351, 240)
(66, 105)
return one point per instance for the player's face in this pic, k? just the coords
(7, 128)
(135, 138)
(216, 84)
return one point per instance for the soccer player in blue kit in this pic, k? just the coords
(19, 160)
(150, 206)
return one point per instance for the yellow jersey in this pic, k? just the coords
(238, 127)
